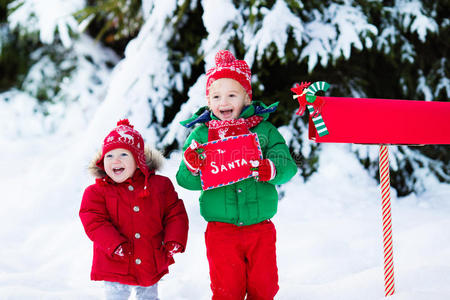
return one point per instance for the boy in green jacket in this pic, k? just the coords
(240, 238)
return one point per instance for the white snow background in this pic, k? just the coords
(329, 228)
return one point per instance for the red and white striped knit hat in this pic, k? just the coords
(227, 66)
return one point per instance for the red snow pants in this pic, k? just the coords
(242, 261)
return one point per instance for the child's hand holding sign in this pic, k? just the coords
(193, 157)
(263, 170)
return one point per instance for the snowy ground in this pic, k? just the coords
(329, 231)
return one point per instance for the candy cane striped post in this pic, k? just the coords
(389, 286)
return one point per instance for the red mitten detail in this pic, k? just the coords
(263, 170)
(172, 248)
(193, 158)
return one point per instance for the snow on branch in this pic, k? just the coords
(413, 17)
(275, 28)
(217, 15)
(334, 32)
(46, 17)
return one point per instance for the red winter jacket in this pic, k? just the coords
(113, 213)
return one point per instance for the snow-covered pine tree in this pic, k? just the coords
(15, 52)
(377, 49)
(63, 70)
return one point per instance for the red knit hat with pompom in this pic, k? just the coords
(126, 137)
(227, 66)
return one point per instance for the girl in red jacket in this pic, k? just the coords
(134, 217)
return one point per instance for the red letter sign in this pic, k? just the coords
(228, 160)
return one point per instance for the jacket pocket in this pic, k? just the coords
(103, 263)
(161, 259)
(162, 262)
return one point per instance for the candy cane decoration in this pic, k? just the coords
(317, 86)
(306, 95)
(311, 97)
(389, 286)
(318, 122)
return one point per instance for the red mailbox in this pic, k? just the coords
(383, 121)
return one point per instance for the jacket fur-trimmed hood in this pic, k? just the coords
(153, 159)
